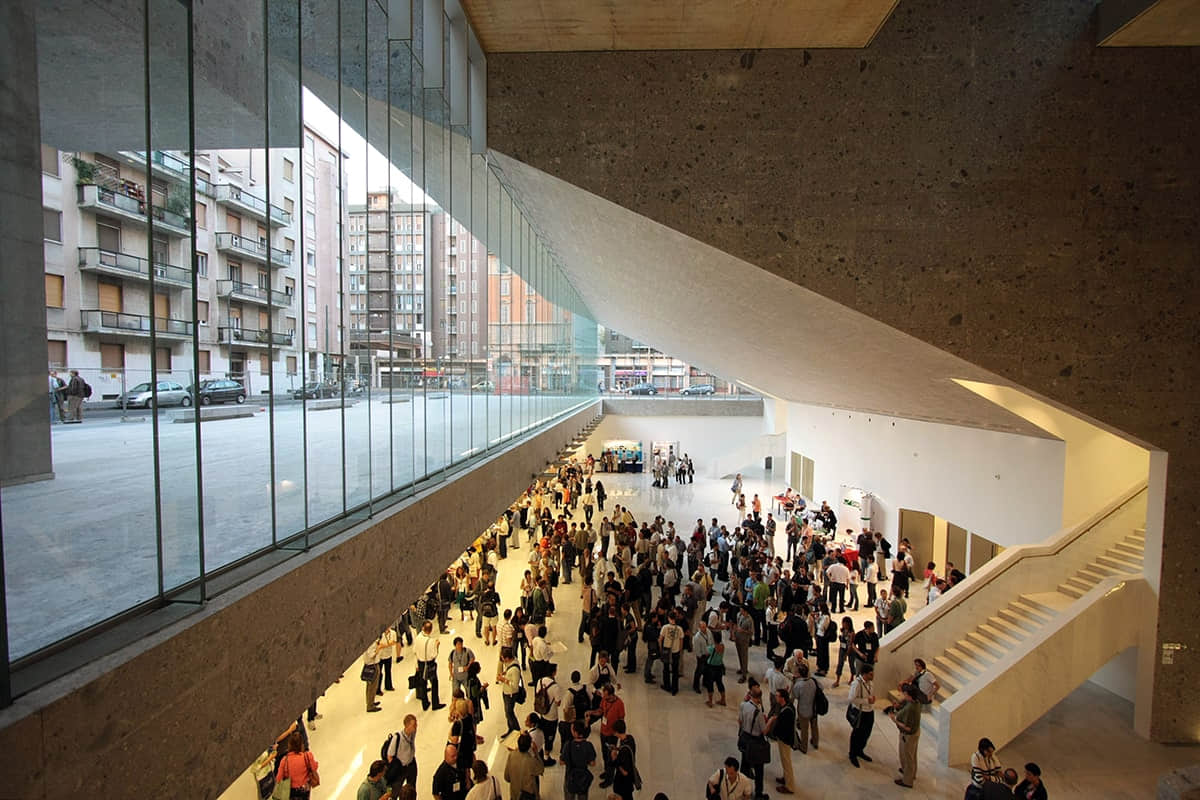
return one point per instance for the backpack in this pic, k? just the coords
(541, 698)
(387, 745)
(831, 631)
(520, 695)
(820, 701)
(578, 779)
(487, 606)
(86, 389)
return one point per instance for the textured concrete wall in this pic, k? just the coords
(982, 177)
(25, 409)
(195, 702)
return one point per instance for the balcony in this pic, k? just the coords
(239, 198)
(132, 208)
(123, 265)
(255, 250)
(236, 290)
(250, 337)
(164, 164)
(119, 323)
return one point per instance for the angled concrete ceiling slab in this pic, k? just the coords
(1150, 23)
(735, 319)
(522, 26)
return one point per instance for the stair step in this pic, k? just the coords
(1125, 565)
(1019, 618)
(1098, 569)
(1096, 573)
(1093, 575)
(987, 644)
(1131, 550)
(1083, 585)
(1039, 612)
(1013, 633)
(981, 658)
(951, 673)
(1036, 606)
(1071, 591)
(961, 663)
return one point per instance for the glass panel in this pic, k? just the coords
(352, 249)
(170, 272)
(99, 555)
(236, 453)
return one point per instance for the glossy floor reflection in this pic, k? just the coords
(1085, 745)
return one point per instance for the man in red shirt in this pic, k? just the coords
(612, 708)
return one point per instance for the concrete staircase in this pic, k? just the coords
(1010, 628)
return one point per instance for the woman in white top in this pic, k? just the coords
(486, 786)
(985, 767)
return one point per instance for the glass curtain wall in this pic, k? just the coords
(294, 293)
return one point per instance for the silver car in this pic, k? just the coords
(169, 394)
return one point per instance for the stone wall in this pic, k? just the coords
(981, 177)
(194, 703)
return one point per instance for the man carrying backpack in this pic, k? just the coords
(399, 751)
(579, 756)
(547, 701)
(77, 390)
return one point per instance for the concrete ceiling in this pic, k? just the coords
(1150, 23)
(520, 26)
(739, 321)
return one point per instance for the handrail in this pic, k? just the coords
(1011, 557)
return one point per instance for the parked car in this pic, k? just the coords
(220, 390)
(169, 394)
(642, 388)
(700, 388)
(314, 390)
(483, 386)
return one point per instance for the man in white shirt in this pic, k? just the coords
(426, 648)
(731, 784)
(539, 652)
(882, 604)
(670, 641)
(401, 756)
(702, 639)
(838, 575)
(554, 694)
(371, 659)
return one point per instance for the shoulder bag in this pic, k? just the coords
(283, 788)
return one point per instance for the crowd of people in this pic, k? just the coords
(682, 611)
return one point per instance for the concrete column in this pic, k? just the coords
(24, 408)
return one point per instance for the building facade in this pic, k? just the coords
(119, 300)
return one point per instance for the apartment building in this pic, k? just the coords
(460, 300)
(388, 289)
(531, 335)
(324, 290)
(119, 300)
(112, 290)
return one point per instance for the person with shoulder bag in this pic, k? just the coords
(752, 740)
(297, 774)
(781, 726)
(860, 712)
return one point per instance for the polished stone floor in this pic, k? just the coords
(1085, 744)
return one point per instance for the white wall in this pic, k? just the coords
(1099, 464)
(1119, 676)
(706, 439)
(1003, 486)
